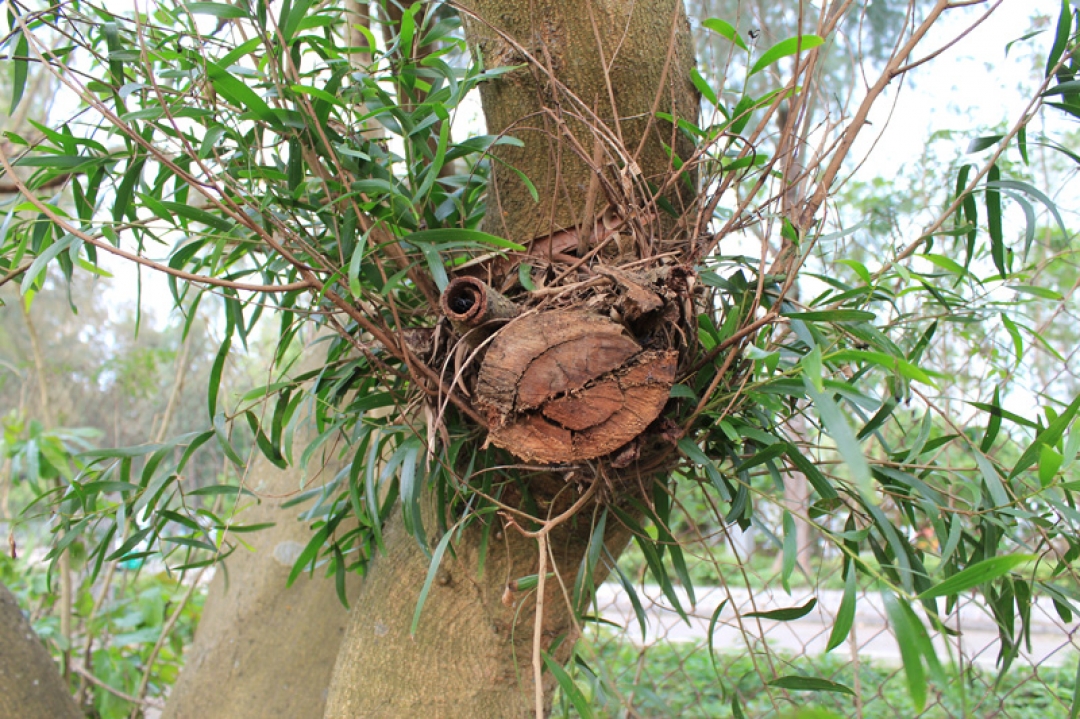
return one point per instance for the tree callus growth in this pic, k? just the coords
(574, 383)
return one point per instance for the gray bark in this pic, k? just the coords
(30, 685)
(262, 650)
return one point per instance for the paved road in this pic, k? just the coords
(1052, 641)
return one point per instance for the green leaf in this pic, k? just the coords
(20, 68)
(788, 614)
(433, 569)
(832, 316)
(910, 654)
(993, 220)
(703, 87)
(1051, 435)
(458, 235)
(1027, 189)
(1043, 292)
(568, 687)
(712, 630)
(1061, 39)
(994, 485)
(845, 616)
(790, 550)
(809, 684)
(1050, 462)
(220, 10)
(812, 372)
(838, 428)
(977, 574)
(783, 49)
(525, 277)
(1014, 333)
(725, 29)
(1074, 707)
(130, 544)
(238, 93)
(214, 386)
(42, 260)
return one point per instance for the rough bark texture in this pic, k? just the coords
(640, 66)
(262, 650)
(570, 385)
(471, 656)
(30, 686)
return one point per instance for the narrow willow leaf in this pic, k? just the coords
(1051, 435)
(433, 569)
(456, 235)
(1061, 39)
(832, 316)
(695, 455)
(1050, 462)
(703, 87)
(631, 593)
(910, 655)
(993, 425)
(725, 29)
(994, 485)
(309, 554)
(219, 10)
(981, 143)
(568, 687)
(214, 386)
(790, 552)
(977, 574)
(811, 472)
(838, 428)
(42, 260)
(783, 49)
(1014, 333)
(787, 614)
(1027, 189)
(1074, 708)
(993, 220)
(712, 631)
(238, 93)
(20, 68)
(845, 616)
(809, 684)
(812, 371)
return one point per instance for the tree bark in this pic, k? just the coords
(472, 652)
(605, 69)
(262, 650)
(595, 75)
(30, 686)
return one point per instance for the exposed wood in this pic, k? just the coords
(570, 385)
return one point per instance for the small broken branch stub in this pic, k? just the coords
(570, 385)
(469, 302)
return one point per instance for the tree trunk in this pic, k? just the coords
(471, 655)
(597, 111)
(591, 143)
(262, 650)
(30, 686)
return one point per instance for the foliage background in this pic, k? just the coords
(980, 411)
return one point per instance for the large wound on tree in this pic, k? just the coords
(570, 385)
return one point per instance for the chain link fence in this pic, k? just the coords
(742, 646)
